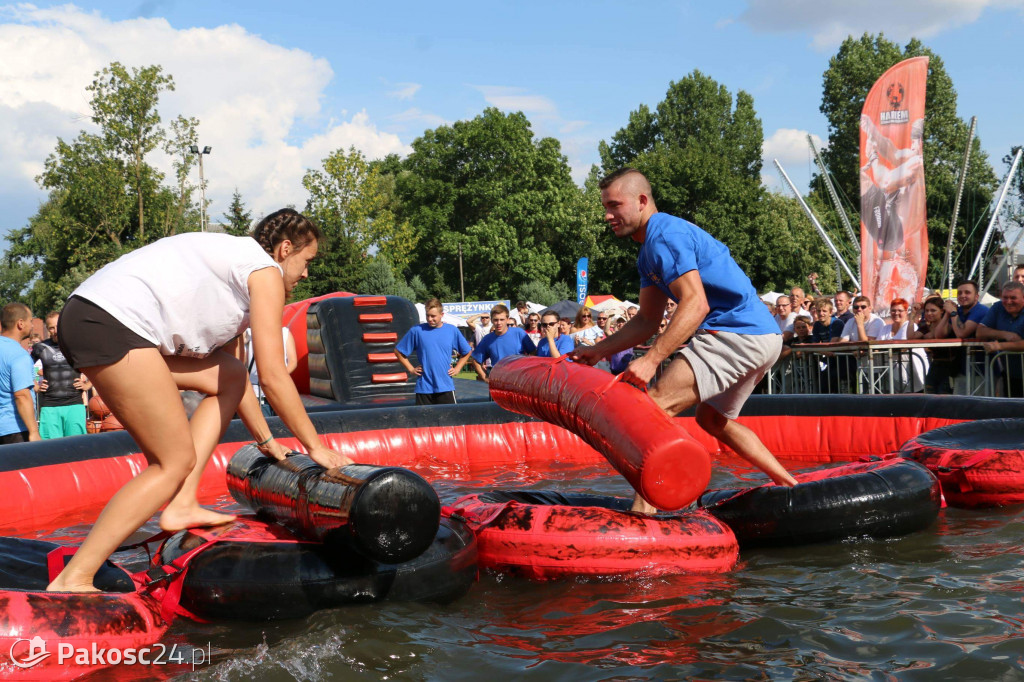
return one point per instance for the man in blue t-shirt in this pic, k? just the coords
(500, 342)
(17, 377)
(733, 340)
(1003, 329)
(433, 342)
(553, 343)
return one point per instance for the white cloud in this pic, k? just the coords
(830, 21)
(517, 99)
(419, 117)
(249, 95)
(405, 90)
(790, 147)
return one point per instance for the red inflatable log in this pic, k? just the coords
(653, 451)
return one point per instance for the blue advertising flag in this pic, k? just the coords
(581, 280)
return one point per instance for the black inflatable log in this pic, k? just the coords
(387, 513)
(255, 571)
(884, 498)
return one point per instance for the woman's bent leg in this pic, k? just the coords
(223, 379)
(142, 394)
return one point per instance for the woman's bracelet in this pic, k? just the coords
(264, 442)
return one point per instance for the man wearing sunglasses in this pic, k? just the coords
(733, 340)
(865, 325)
(553, 343)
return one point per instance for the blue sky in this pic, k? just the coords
(278, 86)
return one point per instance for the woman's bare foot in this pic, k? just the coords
(59, 585)
(643, 506)
(193, 517)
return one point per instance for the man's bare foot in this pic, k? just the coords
(58, 585)
(193, 517)
(643, 506)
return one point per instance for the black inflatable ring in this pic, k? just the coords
(880, 499)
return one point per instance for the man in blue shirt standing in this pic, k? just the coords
(500, 342)
(17, 377)
(1003, 330)
(433, 342)
(733, 340)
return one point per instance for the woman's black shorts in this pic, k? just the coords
(89, 336)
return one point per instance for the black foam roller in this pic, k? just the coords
(389, 514)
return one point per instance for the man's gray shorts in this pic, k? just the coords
(727, 366)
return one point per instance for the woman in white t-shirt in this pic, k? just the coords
(170, 316)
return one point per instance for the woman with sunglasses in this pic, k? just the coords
(587, 333)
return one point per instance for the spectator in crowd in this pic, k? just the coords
(630, 312)
(825, 328)
(801, 334)
(61, 403)
(502, 341)
(801, 304)
(843, 312)
(865, 325)
(898, 329)
(966, 313)
(602, 321)
(481, 326)
(733, 341)
(670, 309)
(434, 342)
(513, 322)
(617, 362)
(784, 314)
(1018, 274)
(565, 327)
(554, 343)
(1003, 330)
(813, 279)
(521, 312)
(587, 333)
(532, 327)
(943, 366)
(17, 377)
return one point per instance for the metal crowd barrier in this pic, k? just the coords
(889, 367)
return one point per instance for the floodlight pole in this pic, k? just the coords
(202, 185)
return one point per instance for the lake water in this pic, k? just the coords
(945, 603)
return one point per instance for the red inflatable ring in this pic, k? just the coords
(545, 534)
(979, 463)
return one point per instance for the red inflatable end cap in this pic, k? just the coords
(675, 476)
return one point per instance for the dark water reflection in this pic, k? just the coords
(941, 604)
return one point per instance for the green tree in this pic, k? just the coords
(852, 71)
(380, 280)
(507, 198)
(543, 293)
(238, 221)
(124, 106)
(701, 150)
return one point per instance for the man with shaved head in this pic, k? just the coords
(733, 340)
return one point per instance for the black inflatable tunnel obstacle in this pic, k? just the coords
(256, 571)
(883, 498)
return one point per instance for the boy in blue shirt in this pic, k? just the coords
(733, 339)
(433, 342)
(500, 342)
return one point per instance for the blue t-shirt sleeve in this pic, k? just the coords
(991, 319)
(673, 255)
(22, 373)
(527, 346)
(407, 346)
(977, 314)
(481, 348)
(461, 345)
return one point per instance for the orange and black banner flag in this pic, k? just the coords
(893, 224)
